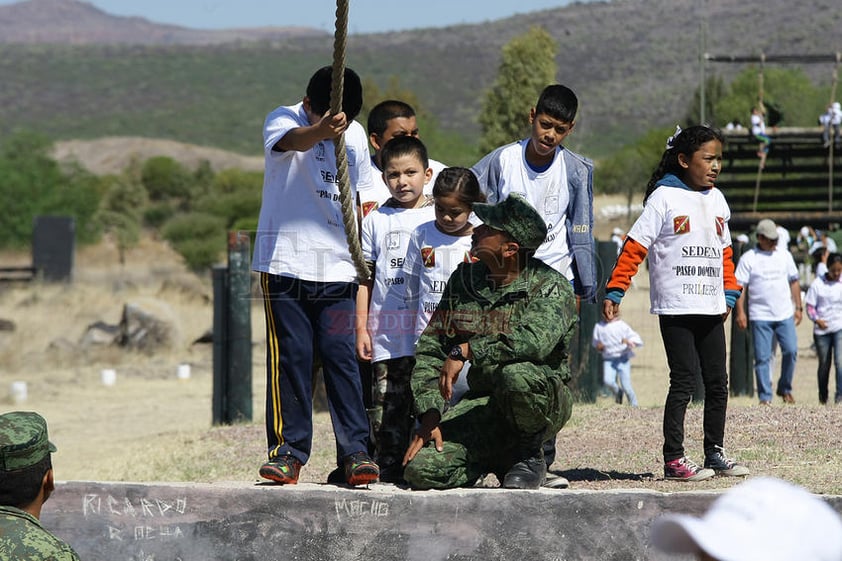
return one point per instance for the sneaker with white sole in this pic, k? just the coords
(723, 465)
(684, 469)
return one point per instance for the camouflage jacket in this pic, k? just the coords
(22, 537)
(530, 320)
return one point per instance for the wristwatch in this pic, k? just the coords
(456, 353)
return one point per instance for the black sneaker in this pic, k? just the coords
(360, 469)
(723, 465)
(283, 469)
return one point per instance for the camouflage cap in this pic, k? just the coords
(515, 216)
(23, 440)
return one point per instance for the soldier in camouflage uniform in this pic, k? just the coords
(512, 316)
(26, 482)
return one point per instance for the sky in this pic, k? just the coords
(364, 16)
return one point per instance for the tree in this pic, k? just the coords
(629, 169)
(32, 184)
(199, 237)
(122, 209)
(527, 67)
(714, 91)
(166, 179)
(789, 90)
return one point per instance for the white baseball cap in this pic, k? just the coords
(763, 519)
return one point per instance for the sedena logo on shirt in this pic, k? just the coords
(428, 256)
(720, 225)
(681, 224)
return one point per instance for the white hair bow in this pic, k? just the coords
(671, 140)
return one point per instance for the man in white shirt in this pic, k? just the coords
(767, 274)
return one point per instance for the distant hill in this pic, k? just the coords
(634, 63)
(73, 22)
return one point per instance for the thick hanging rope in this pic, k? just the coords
(338, 81)
(762, 163)
(831, 146)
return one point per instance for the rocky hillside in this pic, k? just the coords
(74, 22)
(634, 63)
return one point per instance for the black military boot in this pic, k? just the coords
(531, 471)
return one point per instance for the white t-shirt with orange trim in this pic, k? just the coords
(685, 233)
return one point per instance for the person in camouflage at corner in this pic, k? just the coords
(512, 317)
(26, 482)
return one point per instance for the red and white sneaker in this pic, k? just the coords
(684, 469)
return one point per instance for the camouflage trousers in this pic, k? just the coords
(391, 411)
(485, 431)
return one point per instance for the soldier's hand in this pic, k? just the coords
(429, 430)
(449, 374)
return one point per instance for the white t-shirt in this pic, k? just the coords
(378, 193)
(431, 258)
(826, 297)
(767, 275)
(300, 232)
(685, 233)
(547, 191)
(386, 232)
(611, 334)
(758, 125)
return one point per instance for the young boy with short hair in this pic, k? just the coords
(309, 280)
(386, 120)
(385, 327)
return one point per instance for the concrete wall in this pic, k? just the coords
(308, 522)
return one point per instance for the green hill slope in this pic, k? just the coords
(634, 64)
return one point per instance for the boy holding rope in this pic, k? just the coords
(309, 280)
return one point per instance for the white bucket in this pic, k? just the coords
(18, 392)
(108, 376)
(183, 372)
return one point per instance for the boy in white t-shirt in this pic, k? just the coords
(769, 274)
(309, 281)
(387, 120)
(385, 326)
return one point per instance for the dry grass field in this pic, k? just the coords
(153, 426)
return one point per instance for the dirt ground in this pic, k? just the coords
(152, 425)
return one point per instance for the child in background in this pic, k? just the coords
(387, 120)
(615, 340)
(758, 131)
(684, 231)
(438, 246)
(385, 330)
(824, 307)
